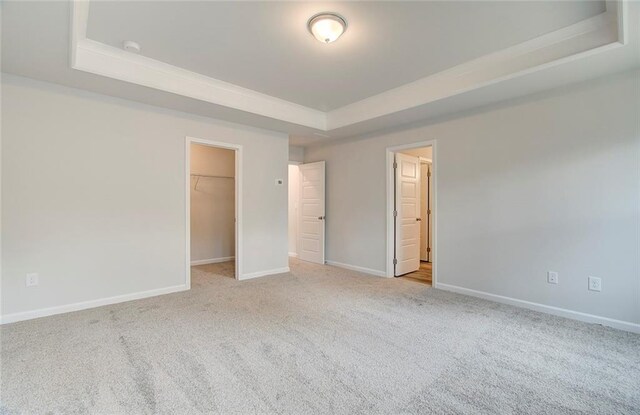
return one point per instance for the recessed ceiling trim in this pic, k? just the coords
(620, 9)
(100, 59)
(78, 32)
(590, 36)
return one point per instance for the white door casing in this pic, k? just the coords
(311, 216)
(407, 217)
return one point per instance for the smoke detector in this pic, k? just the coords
(131, 46)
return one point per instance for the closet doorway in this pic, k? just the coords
(213, 205)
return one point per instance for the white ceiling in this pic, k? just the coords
(265, 46)
(36, 44)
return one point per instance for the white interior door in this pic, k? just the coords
(424, 207)
(311, 212)
(430, 213)
(407, 214)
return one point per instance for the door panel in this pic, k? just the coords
(430, 212)
(426, 201)
(424, 176)
(312, 212)
(407, 221)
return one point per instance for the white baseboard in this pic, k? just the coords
(264, 273)
(557, 311)
(364, 270)
(293, 254)
(212, 260)
(83, 305)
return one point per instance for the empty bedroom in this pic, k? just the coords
(308, 207)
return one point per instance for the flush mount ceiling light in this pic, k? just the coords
(327, 27)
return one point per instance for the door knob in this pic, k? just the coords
(321, 217)
(418, 219)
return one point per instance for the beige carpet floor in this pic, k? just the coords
(317, 340)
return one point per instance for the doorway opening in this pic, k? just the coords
(294, 184)
(213, 207)
(411, 212)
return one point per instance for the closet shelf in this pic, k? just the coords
(210, 176)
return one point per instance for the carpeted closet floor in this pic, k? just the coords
(318, 340)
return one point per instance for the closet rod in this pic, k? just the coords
(209, 175)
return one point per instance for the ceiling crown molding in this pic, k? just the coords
(594, 35)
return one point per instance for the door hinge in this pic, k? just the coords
(395, 165)
(395, 213)
(428, 249)
(428, 173)
(429, 212)
(395, 261)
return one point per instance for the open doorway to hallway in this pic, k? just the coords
(294, 184)
(413, 213)
(212, 211)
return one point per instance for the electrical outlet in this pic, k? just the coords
(552, 277)
(32, 279)
(595, 283)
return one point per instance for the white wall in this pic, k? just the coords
(548, 183)
(294, 191)
(296, 153)
(93, 195)
(212, 204)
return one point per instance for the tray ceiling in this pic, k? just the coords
(265, 46)
(398, 63)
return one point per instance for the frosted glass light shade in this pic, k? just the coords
(327, 27)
